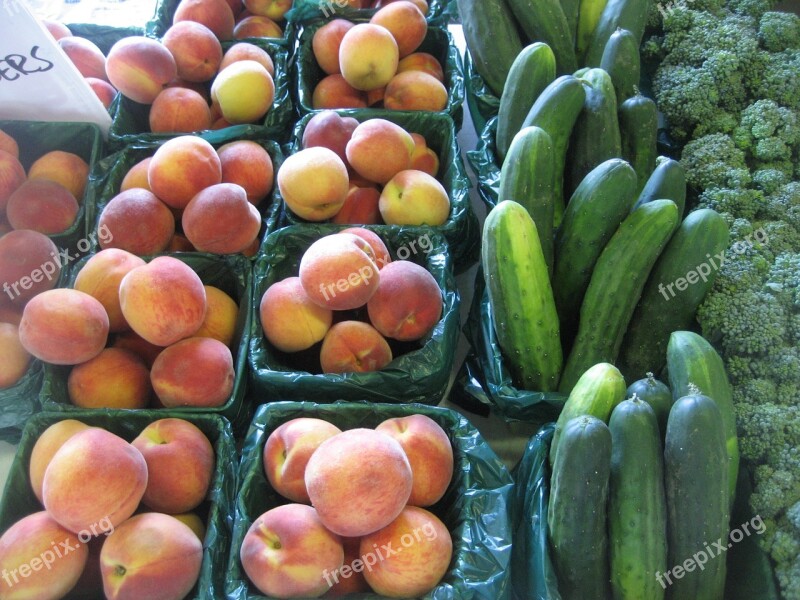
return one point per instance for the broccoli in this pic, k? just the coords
(769, 134)
(779, 79)
(779, 31)
(714, 161)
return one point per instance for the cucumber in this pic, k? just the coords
(532, 71)
(616, 285)
(594, 212)
(638, 125)
(556, 110)
(520, 297)
(596, 135)
(621, 61)
(637, 512)
(667, 181)
(696, 485)
(689, 261)
(545, 21)
(597, 392)
(527, 178)
(571, 9)
(490, 32)
(692, 361)
(589, 13)
(656, 394)
(622, 14)
(576, 513)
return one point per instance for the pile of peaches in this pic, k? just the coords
(366, 489)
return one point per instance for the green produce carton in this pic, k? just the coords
(308, 10)
(485, 164)
(474, 507)
(461, 230)
(19, 402)
(231, 274)
(420, 371)
(216, 510)
(437, 42)
(104, 36)
(483, 104)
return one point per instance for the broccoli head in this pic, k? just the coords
(714, 161)
(779, 31)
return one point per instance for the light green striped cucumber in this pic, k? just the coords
(520, 297)
(688, 261)
(621, 61)
(616, 285)
(589, 12)
(545, 21)
(667, 181)
(638, 125)
(532, 71)
(527, 178)
(622, 14)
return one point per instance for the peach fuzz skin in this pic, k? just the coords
(45, 448)
(290, 320)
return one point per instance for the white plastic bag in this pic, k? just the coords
(37, 80)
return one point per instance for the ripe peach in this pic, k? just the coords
(248, 51)
(14, 359)
(379, 249)
(179, 243)
(287, 451)
(132, 341)
(379, 149)
(194, 522)
(9, 144)
(360, 207)
(180, 465)
(274, 9)
(64, 327)
(370, 470)
(348, 581)
(220, 219)
(56, 28)
(179, 110)
(249, 165)
(424, 158)
(329, 130)
(221, 314)
(368, 56)
(29, 264)
(214, 14)
(415, 90)
(199, 87)
(244, 90)
(66, 168)
(313, 183)
(325, 44)
(140, 67)
(414, 198)
(256, 26)
(104, 91)
(45, 448)
(422, 5)
(196, 50)
(375, 97)
(422, 61)
(85, 55)
(137, 176)
(181, 167)
(194, 372)
(354, 347)
(141, 223)
(405, 22)
(114, 378)
(290, 320)
(12, 175)
(333, 91)
(42, 205)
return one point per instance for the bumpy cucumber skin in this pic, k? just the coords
(556, 110)
(532, 71)
(692, 360)
(638, 125)
(657, 394)
(666, 182)
(527, 178)
(577, 509)
(545, 21)
(696, 485)
(622, 14)
(616, 285)
(621, 61)
(637, 512)
(520, 297)
(701, 237)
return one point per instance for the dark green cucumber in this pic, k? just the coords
(556, 110)
(622, 14)
(621, 61)
(637, 512)
(545, 21)
(597, 392)
(594, 212)
(589, 13)
(532, 71)
(492, 38)
(696, 485)
(638, 126)
(596, 135)
(689, 263)
(520, 297)
(656, 394)
(616, 285)
(692, 361)
(576, 513)
(667, 181)
(527, 178)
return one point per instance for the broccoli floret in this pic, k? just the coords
(714, 161)
(745, 203)
(769, 181)
(778, 31)
(780, 80)
(781, 202)
(769, 135)
(687, 96)
(751, 8)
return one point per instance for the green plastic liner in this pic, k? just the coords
(103, 36)
(484, 163)
(483, 104)
(474, 508)
(307, 10)
(20, 402)
(420, 371)
(216, 511)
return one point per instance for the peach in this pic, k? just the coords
(354, 347)
(179, 243)
(14, 359)
(66, 168)
(379, 249)
(220, 219)
(179, 110)
(325, 44)
(181, 167)
(330, 130)
(140, 67)
(422, 5)
(287, 551)
(12, 176)
(180, 465)
(256, 26)
(415, 90)
(141, 223)
(290, 320)
(136, 177)
(237, 7)
(333, 91)
(45, 448)
(247, 51)
(132, 341)
(368, 56)
(56, 28)
(27, 546)
(90, 584)
(422, 61)
(379, 149)
(414, 198)
(249, 165)
(375, 97)
(424, 158)
(42, 205)
(426, 552)
(348, 580)
(64, 327)
(194, 372)
(112, 476)
(10, 314)
(163, 301)
(287, 451)
(104, 91)
(214, 14)
(9, 144)
(114, 378)
(221, 314)
(313, 183)
(151, 555)
(252, 249)
(274, 9)
(360, 206)
(405, 22)
(358, 481)
(339, 272)
(85, 55)
(244, 90)
(100, 277)
(201, 88)
(29, 264)
(194, 522)
(196, 50)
